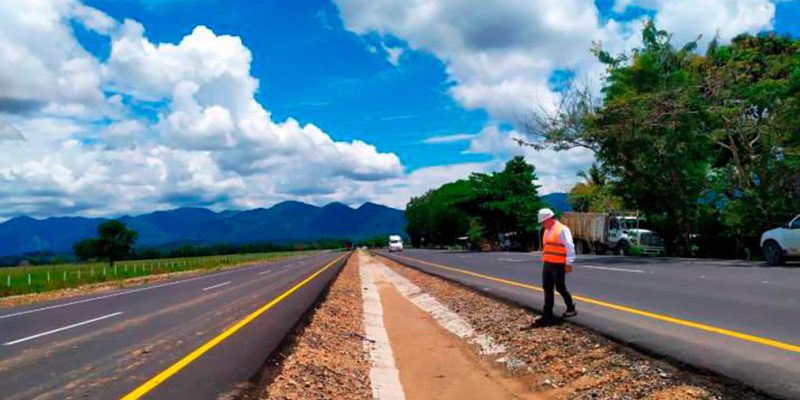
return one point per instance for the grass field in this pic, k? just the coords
(35, 279)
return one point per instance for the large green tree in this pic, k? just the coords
(752, 92)
(688, 137)
(506, 201)
(114, 242)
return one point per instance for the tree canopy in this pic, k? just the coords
(114, 242)
(688, 137)
(483, 206)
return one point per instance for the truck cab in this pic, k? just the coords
(782, 243)
(626, 231)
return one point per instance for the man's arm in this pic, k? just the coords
(566, 238)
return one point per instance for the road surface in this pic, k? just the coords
(198, 337)
(736, 318)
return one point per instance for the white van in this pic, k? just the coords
(395, 243)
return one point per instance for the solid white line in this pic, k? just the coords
(612, 269)
(265, 272)
(72, 303)
(511, 260)
(216, 286)
(62, 329)
(384, 376)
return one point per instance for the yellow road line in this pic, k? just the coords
(167, 373)
(707, 328)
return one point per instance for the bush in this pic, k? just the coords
(635, 251)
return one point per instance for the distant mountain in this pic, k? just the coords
(290, 221)
(559, 202)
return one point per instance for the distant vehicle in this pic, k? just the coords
(395, 243)
(782, 243)
(604, 231)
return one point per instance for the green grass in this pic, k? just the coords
(37, 279)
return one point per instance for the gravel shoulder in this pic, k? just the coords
(567, 361)
(324, 357)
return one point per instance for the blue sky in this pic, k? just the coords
(240, 104)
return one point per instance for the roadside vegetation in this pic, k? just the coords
(705, 144)
(480, 208)
(37, 279)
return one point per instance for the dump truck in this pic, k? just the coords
(601, 232)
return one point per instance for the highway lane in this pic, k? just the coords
(107, 345)
(739, 319)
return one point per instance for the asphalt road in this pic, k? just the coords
(109, 345)
(739, 319)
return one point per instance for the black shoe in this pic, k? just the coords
(570, 313)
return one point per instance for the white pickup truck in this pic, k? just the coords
(782, 243)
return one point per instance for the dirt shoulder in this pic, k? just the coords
(567, 361)
(435, 364)
(324, 357)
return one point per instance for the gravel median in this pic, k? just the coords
(570, 362)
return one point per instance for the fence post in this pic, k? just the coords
(104, 270)
(48, 277)
(91, 271)
(9, 281)
(65, 276)
(79, 274)
(29, 279)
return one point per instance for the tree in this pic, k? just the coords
(114, 242)
(85, 249)
(648, 132)
(752, 89)
(506, 201)
(595, 193)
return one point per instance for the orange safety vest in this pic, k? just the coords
(554, 251)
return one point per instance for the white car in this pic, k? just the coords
(395, 243)
(782, 243)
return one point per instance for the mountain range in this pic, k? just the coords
(286, 222)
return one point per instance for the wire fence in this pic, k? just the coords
(36, 279)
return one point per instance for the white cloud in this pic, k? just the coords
(501, 56)
(459, 137)
(393, 54)
(41, 62)
(687, 19)
(557, 171)
(9, 132)
(211, 143)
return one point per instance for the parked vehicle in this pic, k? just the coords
(782, 243)
(600, 232)
(395, 243)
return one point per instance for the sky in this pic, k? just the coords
(113, 107)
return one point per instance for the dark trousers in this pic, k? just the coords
(553, 275)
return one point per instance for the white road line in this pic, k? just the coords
(72, 303)
(265, 272)
(216, 286)
(384, 376)
(612, 269)
(511, 260)
(62, 329)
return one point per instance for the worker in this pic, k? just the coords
(558, 255)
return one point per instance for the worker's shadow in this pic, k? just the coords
(539, 325)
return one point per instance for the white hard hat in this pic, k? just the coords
(545, 214)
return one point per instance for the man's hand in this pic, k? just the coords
(568, 268)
